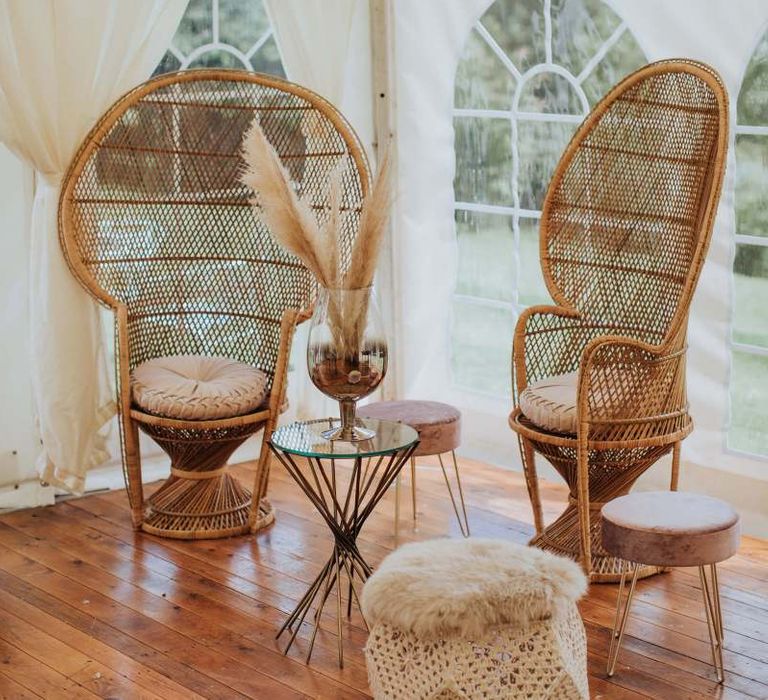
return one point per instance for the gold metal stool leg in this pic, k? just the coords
(719, 610)
(463, 524)
(413, 489)
(397, 506)
(711, 594)
(620, 621)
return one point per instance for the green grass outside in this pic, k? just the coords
(482, 335)
(749, 403)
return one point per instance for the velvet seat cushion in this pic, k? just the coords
(198, 387)
(670, 528)
(438, 424)
(551, 403)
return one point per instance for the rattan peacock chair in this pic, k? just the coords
(155, 224)
(600, 378)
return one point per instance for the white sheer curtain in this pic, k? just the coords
(424, 75)
(62, 63)
(314, 39)
(325, 46)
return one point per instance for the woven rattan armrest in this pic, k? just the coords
(630, 390)
(548, 341)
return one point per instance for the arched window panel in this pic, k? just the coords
(530, 72)
(481, 81)
(223, 34)
(211, 34)
(748, 431)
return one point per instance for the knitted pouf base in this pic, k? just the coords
(544, 660)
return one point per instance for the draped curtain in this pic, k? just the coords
(324, 45)
(62, 63)
(314, 39)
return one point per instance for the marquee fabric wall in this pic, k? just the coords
(61, 65)
(432, 344)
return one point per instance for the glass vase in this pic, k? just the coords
(347, 354)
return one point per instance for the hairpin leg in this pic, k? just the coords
(463, 523)
(620, 621)
(397, 506)
(413, 489)
(711, 594)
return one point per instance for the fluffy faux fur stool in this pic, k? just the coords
(475, 618)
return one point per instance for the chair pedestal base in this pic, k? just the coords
(196, 509)
(562, 537)
(611, 472)
(201, 500)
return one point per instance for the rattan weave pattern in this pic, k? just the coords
(625, 227)
(636, 177)
(156, 225)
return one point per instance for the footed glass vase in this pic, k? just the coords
(347, 354)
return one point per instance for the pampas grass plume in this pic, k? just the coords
(294, 226)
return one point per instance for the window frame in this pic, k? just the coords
(514, 116)
(741, 239)
(217, 45)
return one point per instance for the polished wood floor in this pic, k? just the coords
(90, 609)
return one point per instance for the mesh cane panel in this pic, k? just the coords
(623, 221)
(160, 222)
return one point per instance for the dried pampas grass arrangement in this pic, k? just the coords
(293, 225)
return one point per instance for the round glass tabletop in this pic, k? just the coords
(304, 438)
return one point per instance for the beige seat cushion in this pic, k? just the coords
(670, 528)
(197, 387)
(551, 403)
(438, 424)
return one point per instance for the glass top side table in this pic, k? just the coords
(343, 499)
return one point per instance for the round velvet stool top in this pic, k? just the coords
(439, 429)
(666, 529)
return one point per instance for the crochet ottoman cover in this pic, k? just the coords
(475, 618)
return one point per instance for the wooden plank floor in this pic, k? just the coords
(88, 608)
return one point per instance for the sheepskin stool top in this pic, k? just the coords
(475, 618)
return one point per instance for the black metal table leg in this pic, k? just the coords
(344, 514)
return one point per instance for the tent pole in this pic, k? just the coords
(384, 125)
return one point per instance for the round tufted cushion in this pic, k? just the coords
(450, 587)
(197, 387)
(670, 528)
(551, 403)
(438, 424)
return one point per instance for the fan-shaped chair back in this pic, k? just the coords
(628, 215)
(153, 215)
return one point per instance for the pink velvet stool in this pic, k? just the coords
(671, 528)
(439, 429)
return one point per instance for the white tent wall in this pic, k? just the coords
(429, 38)
(19, 440)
